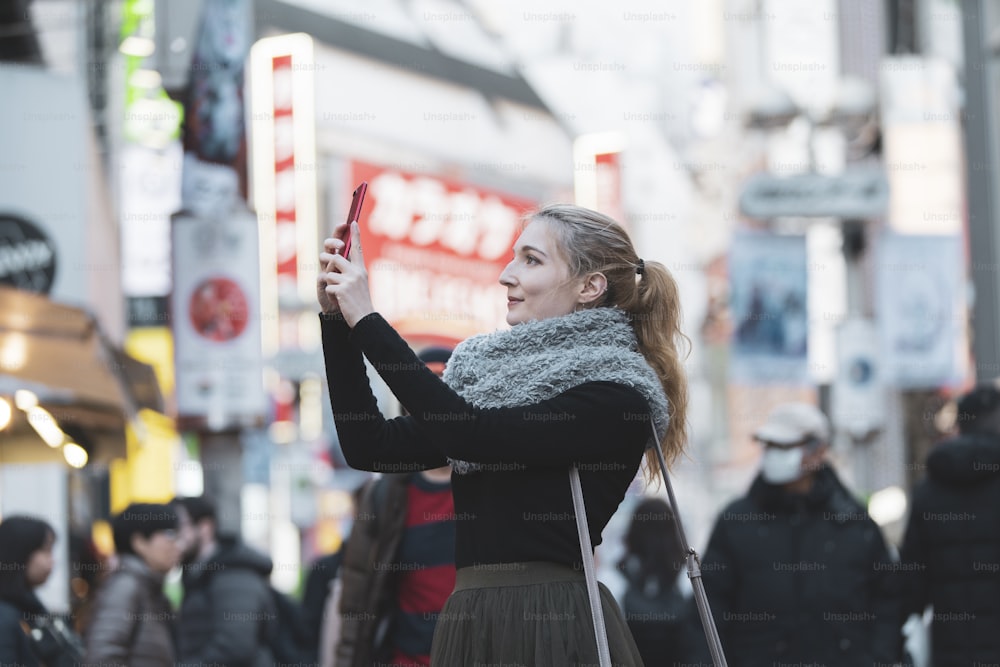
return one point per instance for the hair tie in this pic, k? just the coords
(641, 267)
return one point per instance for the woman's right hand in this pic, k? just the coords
(331, 246)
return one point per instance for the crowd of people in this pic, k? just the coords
(468, 547)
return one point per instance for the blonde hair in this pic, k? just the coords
(592, 242)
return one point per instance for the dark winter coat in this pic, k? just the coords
(15, 647)
(802, 579)
(227, 614)
(951, 553)
(131, 623)
(368, 590)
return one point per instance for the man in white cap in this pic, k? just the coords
(796, 571)
(796, 437)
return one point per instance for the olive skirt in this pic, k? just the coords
(526, 615)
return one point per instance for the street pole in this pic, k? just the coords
(983, 182)
(222, 469)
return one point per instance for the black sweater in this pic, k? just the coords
(519, 508)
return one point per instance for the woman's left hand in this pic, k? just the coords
(348, 284)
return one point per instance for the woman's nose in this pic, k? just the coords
(506, 276)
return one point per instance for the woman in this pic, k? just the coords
(589, 360)
(131, 622)
(29, 635)
(658, 612)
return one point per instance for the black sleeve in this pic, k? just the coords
(588, 423)
(368, 440)
(886, 603)
(721, 580)
(12, 640)
(321, 574)
(913, 560)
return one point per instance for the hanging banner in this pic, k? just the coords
(919, 289)
(767, 277)
(150, 193)
(214, 132)
(216, 318)
(922, 145)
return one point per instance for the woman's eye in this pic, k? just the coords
(531, 259)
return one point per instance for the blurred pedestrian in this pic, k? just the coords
(590, 360)
(29, 634)
(951, 551)
(132, 621)
(656, 608)
(321, 574)
(796, 571)
(227, 615)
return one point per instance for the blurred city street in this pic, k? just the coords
(819, 178)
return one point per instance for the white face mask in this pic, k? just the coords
(780, 466)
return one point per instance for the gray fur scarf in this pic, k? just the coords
(539, 360)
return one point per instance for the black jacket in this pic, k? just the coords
(15, 647)
(951, 553)
(227, 613)
(519, 507)
(52, 643)
(802, 579)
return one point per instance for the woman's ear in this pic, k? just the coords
(139, 544)
(594, 287)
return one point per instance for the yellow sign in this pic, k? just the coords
(148, 472)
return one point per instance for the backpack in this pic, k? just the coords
(288, 640)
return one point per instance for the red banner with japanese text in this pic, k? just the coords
(434, 249)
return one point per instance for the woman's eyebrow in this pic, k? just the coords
(529, 248)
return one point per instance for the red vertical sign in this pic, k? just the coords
(607, 168)
(284, 176)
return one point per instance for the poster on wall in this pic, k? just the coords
(920, 306)
(435, 248)
(768, 288)
(216, 318)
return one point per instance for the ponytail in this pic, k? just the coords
(657, 324)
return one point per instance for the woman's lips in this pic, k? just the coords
(513, 302)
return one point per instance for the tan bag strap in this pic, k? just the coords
(693, 568)
(596, 611)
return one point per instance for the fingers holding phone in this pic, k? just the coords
(347, 282)
(342, 286)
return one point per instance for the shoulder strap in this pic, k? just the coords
(693, 566)
(596, 611)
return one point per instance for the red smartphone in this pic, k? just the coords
(355, 212)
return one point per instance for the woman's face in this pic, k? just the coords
(40, 564)
(161, 550)
(538, 279)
